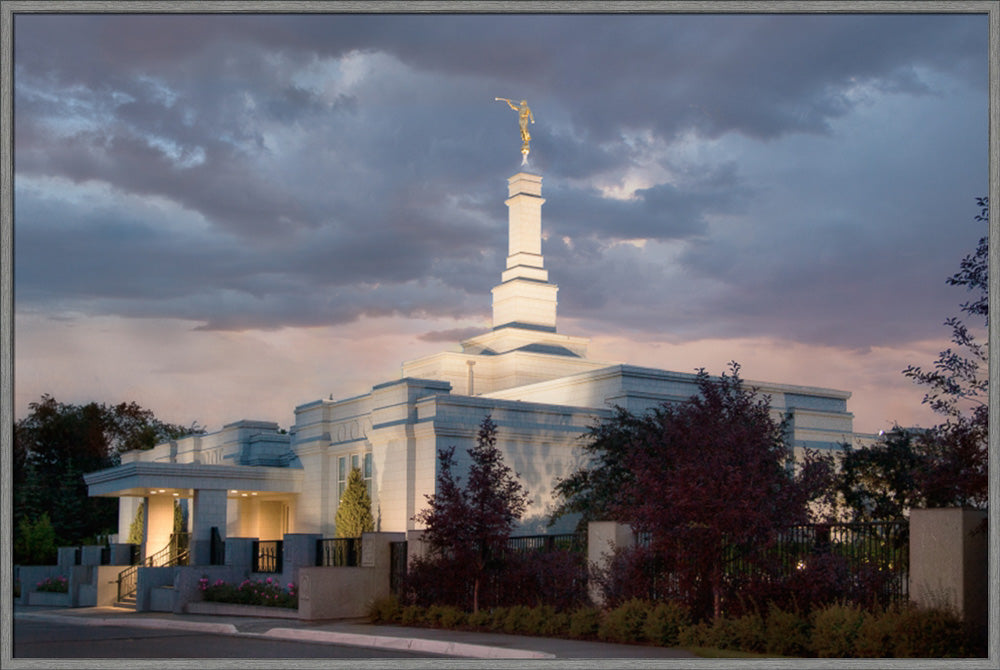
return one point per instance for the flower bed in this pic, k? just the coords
(53, 585)
(267, 593)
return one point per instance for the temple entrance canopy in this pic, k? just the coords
(254, 498)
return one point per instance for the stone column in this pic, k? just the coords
(603, 537)
(209, 511)
(949, 554)
(159, 523)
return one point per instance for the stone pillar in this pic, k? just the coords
(239, 552)
(91, 554)
(66, 557)
(603, 537)
(209, 511)
(949, 554)
(298, 551)
(121, 554)
(159, 518)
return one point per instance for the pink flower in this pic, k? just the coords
(268, 580)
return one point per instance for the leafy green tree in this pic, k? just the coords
(468, 527)
(35, 543)
(945, 465)
(880, 482)
(959, 380)
(354, 513)
(595, 491)
(57, 443)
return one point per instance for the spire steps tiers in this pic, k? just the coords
(525, 298)
(523, 346)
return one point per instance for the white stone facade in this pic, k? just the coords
(252, 480)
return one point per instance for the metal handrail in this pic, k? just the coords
(175, 553)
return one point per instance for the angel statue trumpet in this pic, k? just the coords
(523, 116)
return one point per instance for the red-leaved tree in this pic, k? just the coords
(705, 480)
(711, 474)
(468, 527)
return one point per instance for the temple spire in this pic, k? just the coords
(525, 298)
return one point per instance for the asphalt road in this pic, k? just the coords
(47, 639)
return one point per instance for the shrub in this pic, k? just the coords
(625, 623)
(721, 633)
(835, 630)
(555, 624)
(664, 623)
(749, 632)
(413, 615)
(584, 622)
(498, 618)
(929, 633)
(445, 616)
(385, 610)
(517, 619)
(53, 585)
(875, 634)
(696, 635)
(786, 632)
(432, 615)
(480, 619)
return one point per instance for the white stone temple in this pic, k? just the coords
(252, 480)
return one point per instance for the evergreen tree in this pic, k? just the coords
(180, 524)
(354, 513)
(136, 529)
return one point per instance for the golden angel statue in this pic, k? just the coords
(523, 116)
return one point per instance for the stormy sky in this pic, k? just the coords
(224, 216)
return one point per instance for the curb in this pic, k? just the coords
(457, 649)
(219, 628)
(405, 644)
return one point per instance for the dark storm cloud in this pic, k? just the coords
(329, 166)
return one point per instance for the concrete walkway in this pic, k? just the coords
(462, 644)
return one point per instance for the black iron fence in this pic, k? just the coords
(871, 555)
(575, 542)
(217, 548)
(397, 565)
(338, 552)
(267, 555)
